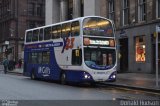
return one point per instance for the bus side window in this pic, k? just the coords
(75, 28)
(40, 58)
(47, 33)
(66, 30)
(29, 57)
(77, 57)
(59, 31)
(46, 57)
(41, 35)
(35, 35)
(29, 36)
(56, 32)
(34, 58)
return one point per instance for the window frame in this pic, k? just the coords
(140, 47)
(30, 40)
(39, 57)
(111, 9)
(46, 54)
(35, 37)
(142, 10)
(58, 29)
(74, 26)
(125, 11)
(64, 32)
(158, 9)
(48, 33)
(41, 32)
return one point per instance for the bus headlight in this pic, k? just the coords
(113, 76)
(86, 75)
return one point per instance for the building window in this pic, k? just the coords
(111, 9)
(70, 9)
(142, 10)
(36, 9)
(158, 8)
(31, 8)
(39, 10)
(140, 49)
(125, 16)
(34, 24)
(82, 8)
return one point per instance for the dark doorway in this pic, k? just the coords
(154, 58)
(124, 55)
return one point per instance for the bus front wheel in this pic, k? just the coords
(63, 78)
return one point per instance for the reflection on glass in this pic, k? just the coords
(97, 27)
(99, 57)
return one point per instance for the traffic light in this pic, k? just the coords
(6, 51)
(9, 50)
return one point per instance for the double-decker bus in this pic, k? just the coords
(79, 50)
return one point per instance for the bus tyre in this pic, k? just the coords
(33, 77)
(63, 79)
(93, 84)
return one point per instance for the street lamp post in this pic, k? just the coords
(6, 44)
(16, 36)
(157, 59)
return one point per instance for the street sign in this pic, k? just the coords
(158, 28)
(157, 58)
(155, 34)
(6, 43)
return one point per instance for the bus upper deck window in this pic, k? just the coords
(56, 32)
(29, 36)
(66, 30)
(75, 28)
(35, 35)
(47, 33)
(41, 35)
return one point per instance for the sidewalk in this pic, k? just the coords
(17, 71)
(139, 81)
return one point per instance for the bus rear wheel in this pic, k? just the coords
(33, 77)
(63, 79)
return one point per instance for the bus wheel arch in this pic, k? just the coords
(63, 78)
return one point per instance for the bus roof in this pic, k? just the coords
(76, 19)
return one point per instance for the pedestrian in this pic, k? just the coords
(11, 65)
(20, 63)
(5, 64)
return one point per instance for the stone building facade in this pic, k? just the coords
(61, 10)
(15, 17)
(135, 22)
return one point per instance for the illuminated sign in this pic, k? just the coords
(99, 42)
(105, 42)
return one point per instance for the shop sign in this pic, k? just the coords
(123, 33)
(6, 42)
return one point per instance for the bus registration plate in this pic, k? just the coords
(101, 73)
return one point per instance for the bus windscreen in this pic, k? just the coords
(97, 27)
